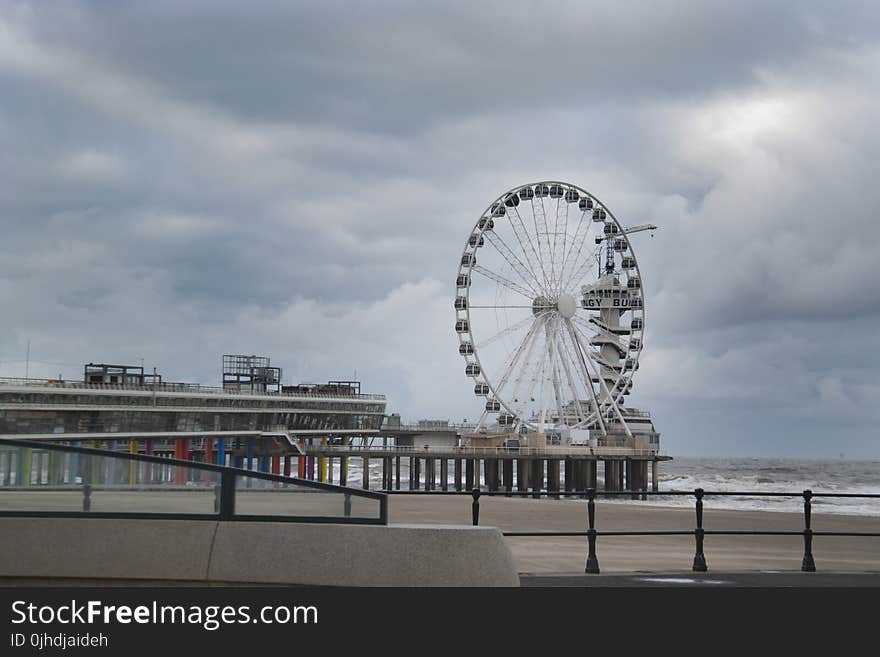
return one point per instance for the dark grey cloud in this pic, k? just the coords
(181, 180)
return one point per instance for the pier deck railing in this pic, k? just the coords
(177, 387)
(550, 450)
(56, 480)
(699, 533)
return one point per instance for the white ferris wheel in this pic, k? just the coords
(550, 312)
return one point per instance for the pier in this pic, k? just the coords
(328, 433)
(552, 469)
(328, 459)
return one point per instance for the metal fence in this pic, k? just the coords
(98, 483)
(698, 532)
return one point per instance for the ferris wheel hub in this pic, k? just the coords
(540, 305)
(566, 306)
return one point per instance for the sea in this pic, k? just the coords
(772, 475)
(737, 474)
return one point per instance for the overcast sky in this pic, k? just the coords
(180, 180)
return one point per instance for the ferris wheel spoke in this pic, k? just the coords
(524, 350)
(506, 331)
(542, 372)
(534, 266)
(550, 248)
(527, 367)
(525, 273)
(561, 205)
(537, 373)
(539, 218)
(581, 271)
(575, 395)
(554, 373)
(564, 244)
(569, 349)
(566, 255)
(501, 307)
(501, 280)
(581, 362)
(542, 376)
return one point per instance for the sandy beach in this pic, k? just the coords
(646, 553)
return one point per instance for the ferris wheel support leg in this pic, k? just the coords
(585, 372)
(607, 392)
(581, 416)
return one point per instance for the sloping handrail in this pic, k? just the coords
(225, 490)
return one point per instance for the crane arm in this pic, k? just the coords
(639, 229)
(627, 231)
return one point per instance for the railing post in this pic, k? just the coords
(808, 565)
(592, 561)
(699, 557)
(383, 510)
(87, 498)
(475, 507)
(227, 495)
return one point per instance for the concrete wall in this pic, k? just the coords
(255, 552)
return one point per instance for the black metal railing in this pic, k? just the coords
(699, 533)
(81, 476)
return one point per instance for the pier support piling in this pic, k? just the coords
(507, 474)
(522, 475)
(537, 468)
(610, 475)
(553, 475)
(494, 467)
(592, 474)
(430, 474)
